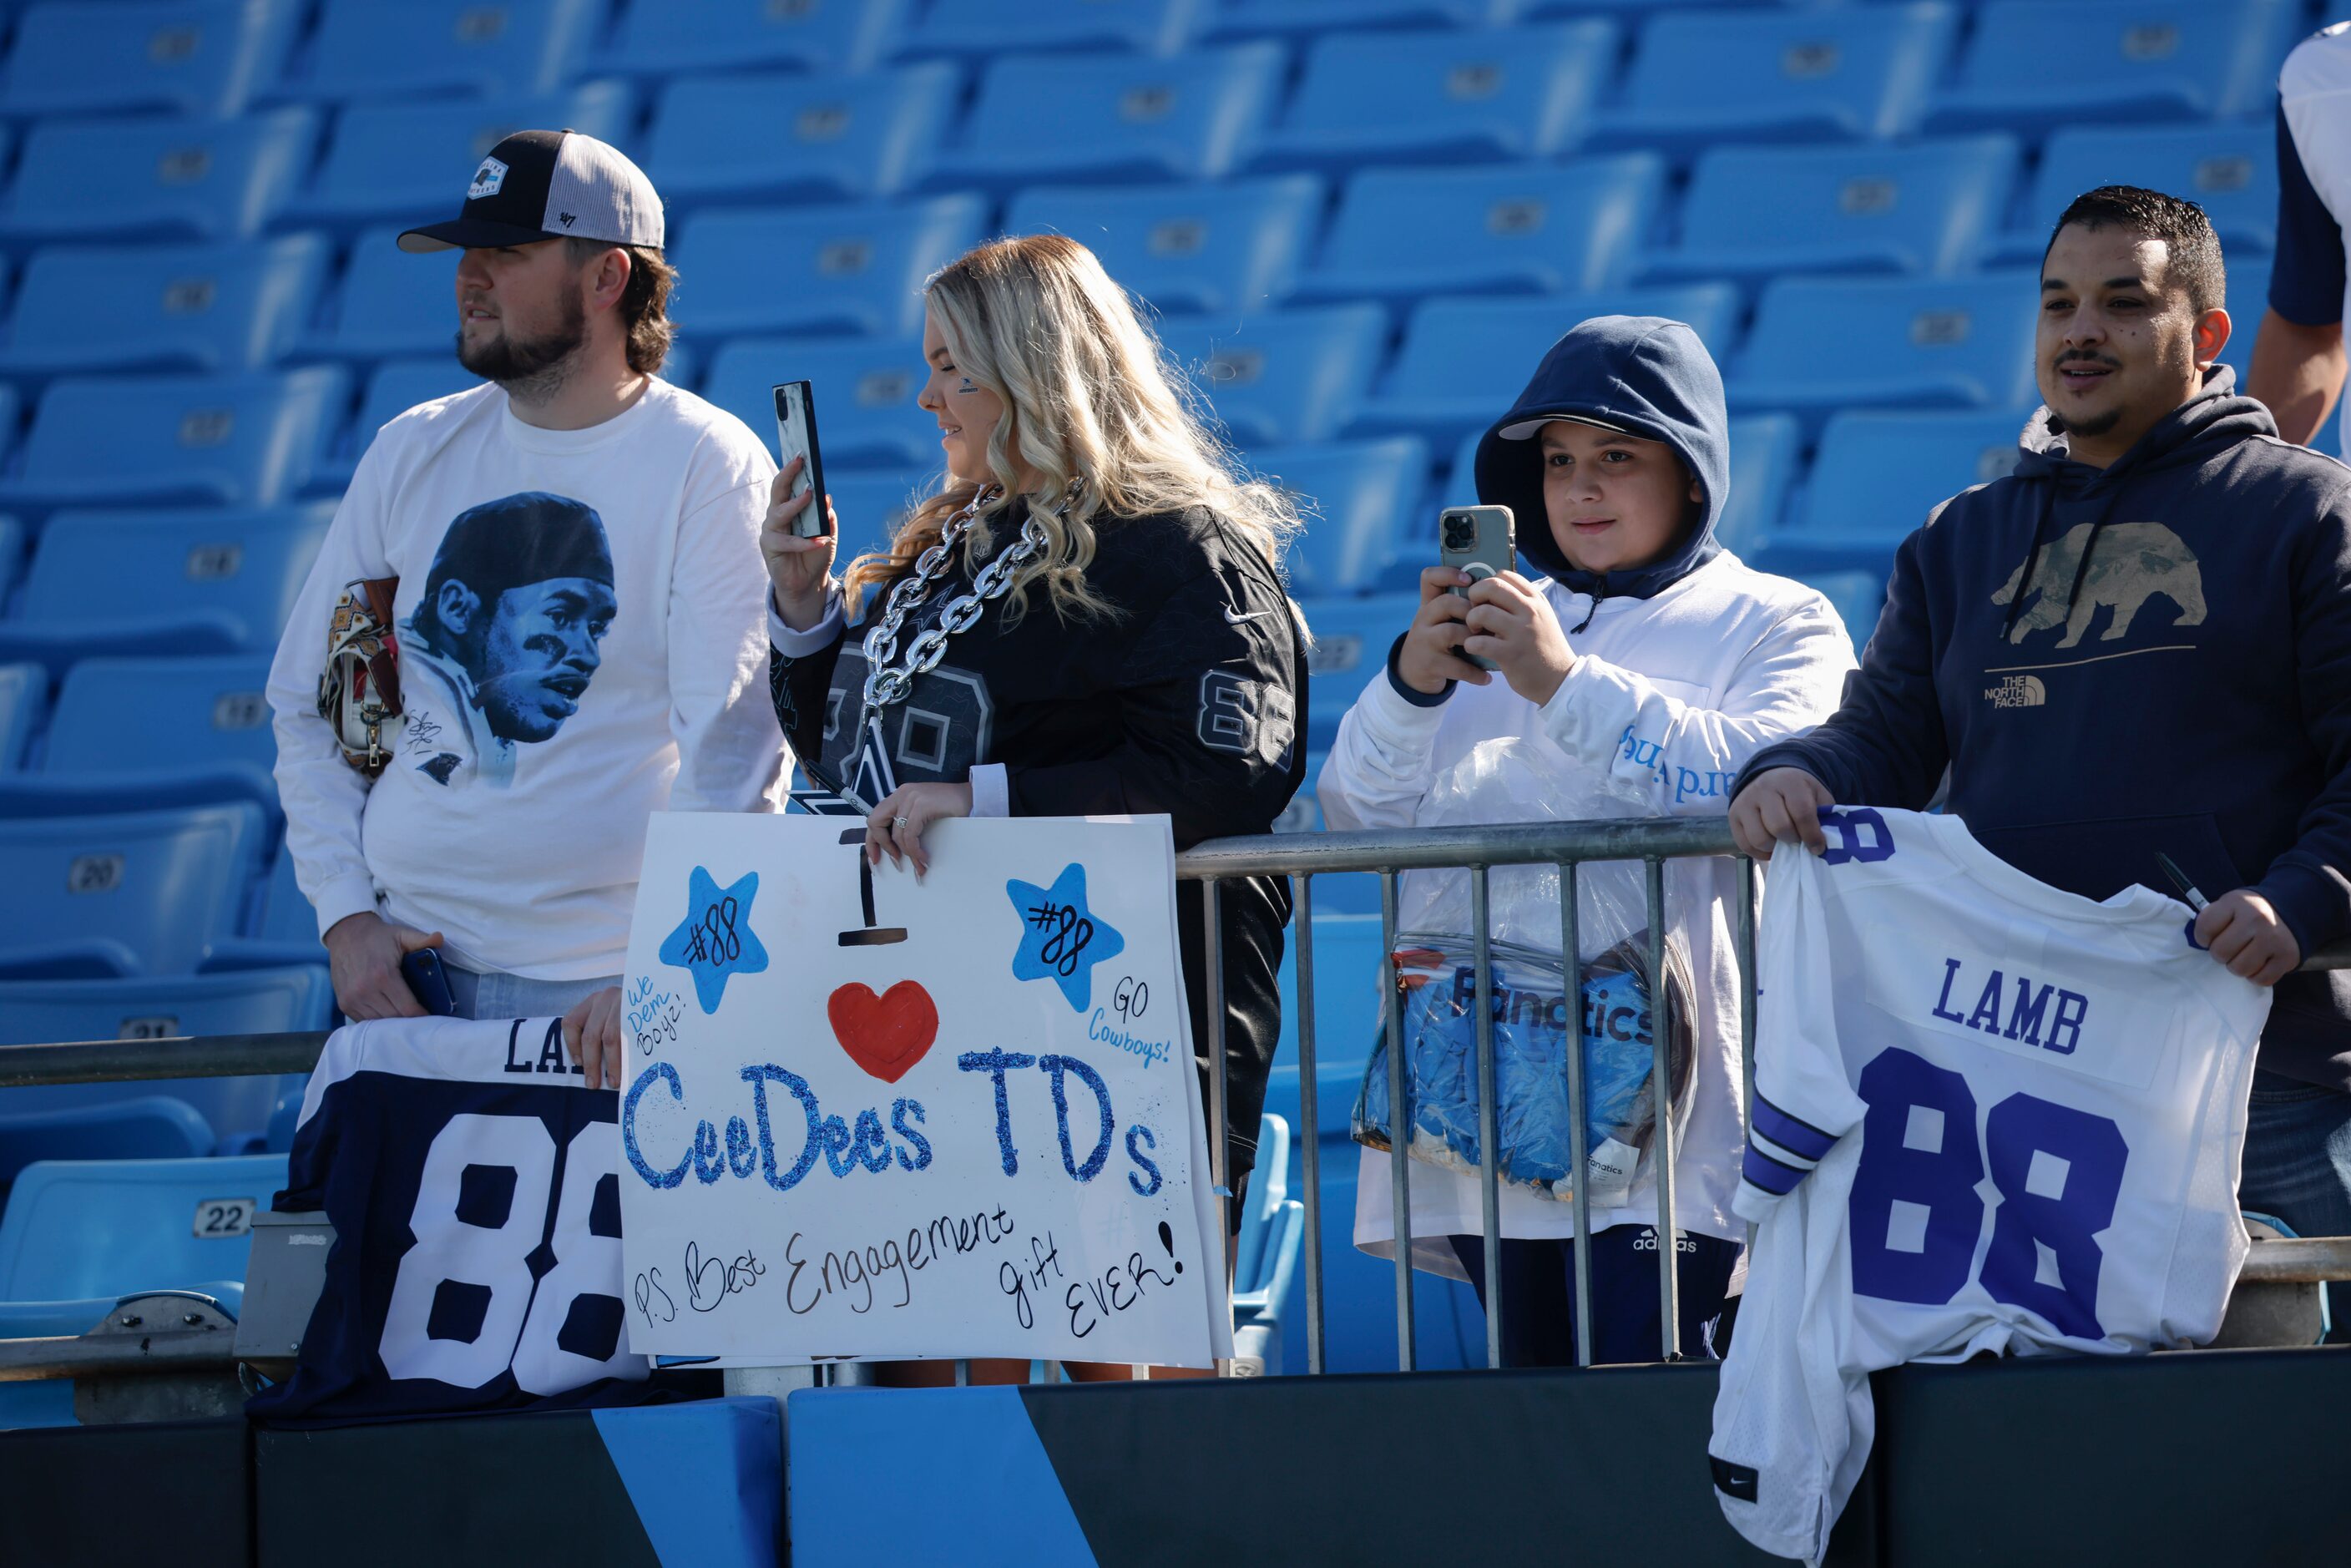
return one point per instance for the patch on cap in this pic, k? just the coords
(487, 179)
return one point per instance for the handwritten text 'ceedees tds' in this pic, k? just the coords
(754, 1144)
(851, 1272)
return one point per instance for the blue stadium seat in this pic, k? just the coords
(390, 303)
(1223, 249)
(1351, 649)
(1468, 96)
(155, 179)
(363, 48)
(975, 28)
(2034, 64)
(1113, 117)
(1285, 377)
(1857, 597)
(1465, 360)
(872, 503)
(1273, 1235)
(220, 308)
(140, 733)
(2230, 170)
(162, 582)
(24, 697)
(1755, 211)
(1360, 498)
(410, 161)
(127, 894)
(1876, 477)
(818, 269)
(1766, 452)
(12, 555)
(1525, 228)
(286, 915)
(121, 1120)
(866, 388)
(743, 34)
(1259, 19)
(68, 1231)
(179, 56)
(238, 441)
(798, 138)
(2249, 295)
(1822, 343)
(77, 1230)
(1781, 75)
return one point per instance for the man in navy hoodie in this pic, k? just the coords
(2139, 642)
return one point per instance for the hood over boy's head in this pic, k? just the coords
(1645, 376)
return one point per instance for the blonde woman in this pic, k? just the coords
(1133, 650)
(1116, 635)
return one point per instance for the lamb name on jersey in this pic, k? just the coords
(472, 1182)
(1989, 1116)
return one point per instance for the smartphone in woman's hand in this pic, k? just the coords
(795, 437)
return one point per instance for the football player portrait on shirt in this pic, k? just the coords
(501, 647)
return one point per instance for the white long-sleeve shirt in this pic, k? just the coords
(1668, 697)
(537, 740)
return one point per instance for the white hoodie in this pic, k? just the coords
(1669, 698)
(523, 848)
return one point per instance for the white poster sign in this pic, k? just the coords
(868, 1116)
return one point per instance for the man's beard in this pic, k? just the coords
(532, 370)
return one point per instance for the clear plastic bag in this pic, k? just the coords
(1519, 781)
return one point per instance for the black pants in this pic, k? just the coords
(1538, 1295)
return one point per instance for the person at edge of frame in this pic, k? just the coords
(2138, 643)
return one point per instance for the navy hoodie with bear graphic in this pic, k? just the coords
(2150, 657)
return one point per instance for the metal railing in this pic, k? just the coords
(1303, 858)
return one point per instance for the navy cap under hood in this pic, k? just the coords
(1644, 375)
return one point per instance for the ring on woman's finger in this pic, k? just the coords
(899, 822)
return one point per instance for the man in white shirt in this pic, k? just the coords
(579, 613)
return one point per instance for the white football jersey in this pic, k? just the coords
(1989, 1116)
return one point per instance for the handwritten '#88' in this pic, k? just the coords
(1915, 1216)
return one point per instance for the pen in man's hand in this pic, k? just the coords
(2194, 900)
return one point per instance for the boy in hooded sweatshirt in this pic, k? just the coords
(1641, 662)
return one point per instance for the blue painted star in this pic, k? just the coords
(716, 939)
(1060, 939)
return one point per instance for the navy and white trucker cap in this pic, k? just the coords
(550, 184)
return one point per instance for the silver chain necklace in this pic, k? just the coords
(872, 778)
(885, 685)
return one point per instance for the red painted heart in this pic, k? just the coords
(885, 1035)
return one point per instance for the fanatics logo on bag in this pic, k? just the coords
(487, 179)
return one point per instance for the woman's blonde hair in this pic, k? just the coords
(1089, 403)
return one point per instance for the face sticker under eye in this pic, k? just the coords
(966, 386)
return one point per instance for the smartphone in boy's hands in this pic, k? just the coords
(795, 437)
(1479, 542)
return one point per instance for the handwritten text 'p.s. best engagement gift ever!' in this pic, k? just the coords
(872, 1116)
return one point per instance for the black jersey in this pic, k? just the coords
(1185, 701)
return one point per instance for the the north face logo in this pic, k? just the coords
(2018, 691)
(487, 180)
(2131, 563)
